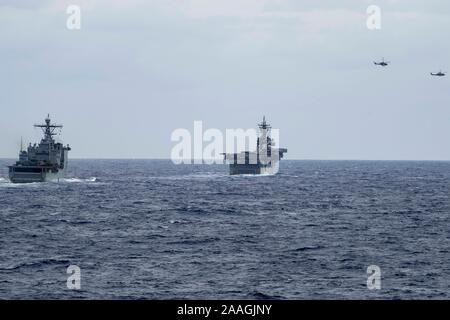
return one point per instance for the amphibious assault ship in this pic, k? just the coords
(46, 161)
(265, 160)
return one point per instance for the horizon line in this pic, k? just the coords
(295, 159)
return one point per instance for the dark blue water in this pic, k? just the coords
(150, 229)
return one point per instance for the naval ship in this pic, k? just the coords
(265, 160)
(44, 162)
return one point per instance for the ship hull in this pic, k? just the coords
(34, 174)
(236, 169)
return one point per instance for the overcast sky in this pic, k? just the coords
(138, 69)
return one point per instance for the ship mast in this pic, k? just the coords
(264, 125)
(264, 128)
(264, 143)
(48, 129)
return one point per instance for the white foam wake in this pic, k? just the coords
(91, 179)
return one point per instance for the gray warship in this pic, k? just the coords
(44, 162)
(265, 160)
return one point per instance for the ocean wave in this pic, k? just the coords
(308, 248)
(38, 263)
(199, 176)
(8, 184)
(257, 295)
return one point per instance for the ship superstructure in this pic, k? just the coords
(265, 160)
(41, 162)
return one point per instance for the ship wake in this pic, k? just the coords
(80, 180)
(6, 182)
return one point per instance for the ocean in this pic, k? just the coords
(149, 229)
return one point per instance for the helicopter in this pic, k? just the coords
(439, 74)
(382, 63)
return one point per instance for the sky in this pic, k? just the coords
(138, 70)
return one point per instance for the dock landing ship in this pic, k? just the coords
(265, 160)
(44, 162)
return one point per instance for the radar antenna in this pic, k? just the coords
(48, 129)
(264, 125)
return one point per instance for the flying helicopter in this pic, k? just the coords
(382, 63)
(438, 74)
